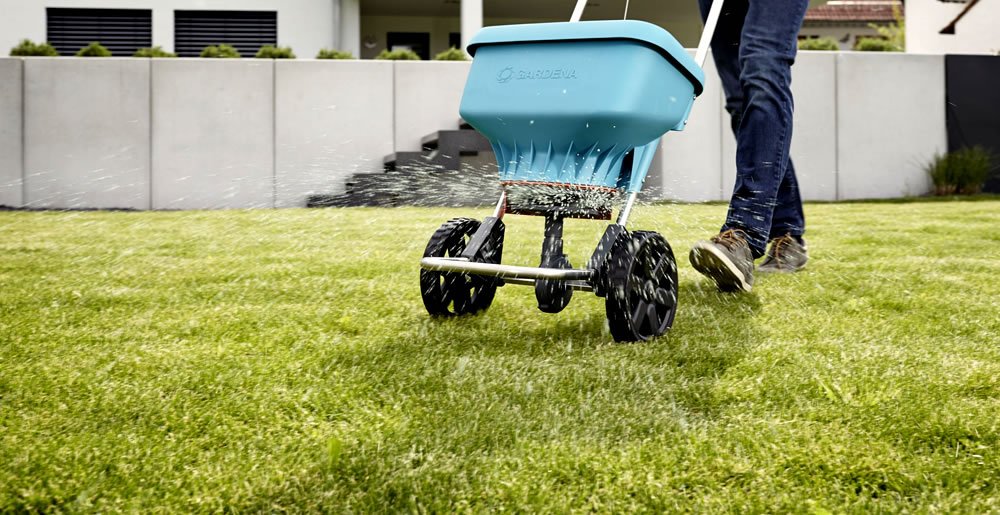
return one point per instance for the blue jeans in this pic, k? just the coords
(754, 47)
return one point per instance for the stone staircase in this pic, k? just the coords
(453, 168)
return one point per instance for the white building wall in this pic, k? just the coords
(978, 32)
(304, 25)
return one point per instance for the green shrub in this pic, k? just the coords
(26, 48)
(398, 55)
(153, 52)
(275, 52)
(818, 44)
(962, 172)
(220, 52)
(327, 53)
(94, 49)
(452, 54)
(876, 45)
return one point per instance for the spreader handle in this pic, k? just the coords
(578, 11)
(708, 33)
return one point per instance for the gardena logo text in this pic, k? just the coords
(509, 73)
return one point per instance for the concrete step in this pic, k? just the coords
(463, 142)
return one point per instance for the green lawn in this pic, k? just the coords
(282, 361)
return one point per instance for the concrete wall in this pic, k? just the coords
(427, 99)
(890, 122)
(11, 76)
(180, 134)
(213, 134)
(333, 119)
(86, 133)
(976, 33)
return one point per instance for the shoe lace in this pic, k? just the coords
(731, 238)
(779, 245)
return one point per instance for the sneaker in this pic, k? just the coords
(787, 254)
(727, 259)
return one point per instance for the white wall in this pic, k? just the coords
(188, 133)
(305, 25)
(332, 120)
(977, 33)
(86, 133)
(10, 132)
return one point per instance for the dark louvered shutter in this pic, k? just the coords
(245, 30)
(123, 31)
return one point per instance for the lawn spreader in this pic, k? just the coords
(574, 112)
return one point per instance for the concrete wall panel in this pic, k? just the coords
(891, 121)
(690, 159)
(814, 136)
(427, 98)
(333, 119)
(213, 134)
(86, 133)
(11, 71)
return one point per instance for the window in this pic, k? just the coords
(419, 42)
(245, 30)
(123, 31)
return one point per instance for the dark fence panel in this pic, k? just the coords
(245, 30)
(973, 105)
(123, 31)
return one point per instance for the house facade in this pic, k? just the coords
(362, 27)
(953, 26)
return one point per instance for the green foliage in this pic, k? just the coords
(398, 55)
(452, 54)
(895, 32)
(27, 48)
(327, 53)
(155, 51)
(962, 172)
(818, 44)
(222, 51)
(273, 52)
(875, 45)
(146, 366)
(94, 49)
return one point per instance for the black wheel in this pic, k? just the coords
(453, 294)
(641, 276)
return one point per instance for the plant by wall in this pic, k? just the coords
(818, 44)
(94, 49)
(275, 52)
(220, 52)
(452, 54)
(153, 52)
(962, 172)
(398, 55)
(895, 32)
(876, 45)
(27, 48)
(328, 53)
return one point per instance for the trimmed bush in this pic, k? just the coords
(26, 48)
(452, 54)
(220, 52)
(818, 44)
(275, 52)
(327, 53)
(876, 45)
(94, 49)
(153, 52)
(398, 55)
(962, 172)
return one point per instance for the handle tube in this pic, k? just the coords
(578, 11)
(708, 33)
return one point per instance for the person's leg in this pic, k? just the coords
(726, 53)
(766, 52)
(788, 218)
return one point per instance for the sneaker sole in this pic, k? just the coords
(711, 262)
